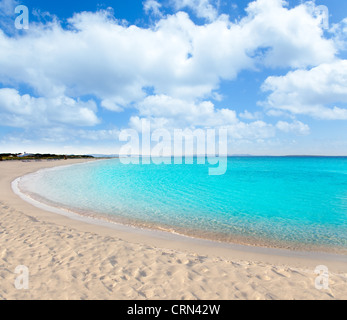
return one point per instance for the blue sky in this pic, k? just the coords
(273, 73)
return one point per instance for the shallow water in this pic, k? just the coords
(299, 203)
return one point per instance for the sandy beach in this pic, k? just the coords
(72, 259)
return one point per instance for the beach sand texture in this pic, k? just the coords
(70, 259)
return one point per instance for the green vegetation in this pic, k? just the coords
(12, 156)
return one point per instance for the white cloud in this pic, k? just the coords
(313, 92)
(98, 55)
(27, 111)
(152, 6)
(7, 7)
(64, 134)
(163, 112)
(181, 113)
(254, 130)
(136, 123)
(236, 129)
(202, 8)
(296, 127)
(111, 105)
(181, 62)
(339, 32)
(286, 37)
(278, 113)
(250, 115)
(7, 14)
(202, 113)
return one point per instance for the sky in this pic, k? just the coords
(273, 73)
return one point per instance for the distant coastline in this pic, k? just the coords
(39, 156)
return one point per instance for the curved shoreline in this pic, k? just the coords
(73, 259)
(189, 241)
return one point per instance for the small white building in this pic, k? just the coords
(24, 155)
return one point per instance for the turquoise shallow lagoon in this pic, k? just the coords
(289, 202)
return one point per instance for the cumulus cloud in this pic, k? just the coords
(183, 64)
(236, 129)
(152, 6)
(183, 113)
(165, 112)
(311, 92)
(286, 37)
(7, 7)
(98, 55)
(339, 33)
(253, 131)
(7, 14)
(296, 127)
(250, 115)
(26, 111)
(202, 8)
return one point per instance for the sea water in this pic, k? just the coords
(292, 202)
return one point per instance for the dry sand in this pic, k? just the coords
(71, 259)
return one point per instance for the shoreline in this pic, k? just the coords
(176, 245)
(151, 235)
(321, 253)
(154, 231)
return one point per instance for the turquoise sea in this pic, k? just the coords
(287, 202)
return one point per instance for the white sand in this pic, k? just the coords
(71, 259)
